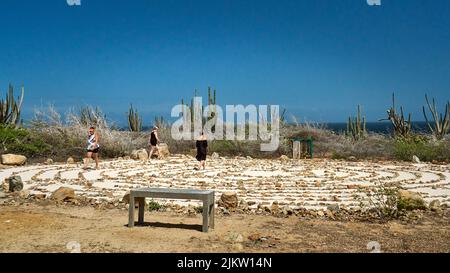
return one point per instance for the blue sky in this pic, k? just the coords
(316, 58)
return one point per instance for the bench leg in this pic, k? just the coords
(141, 201)
(205, 216)
(131, 212)
(212, 212)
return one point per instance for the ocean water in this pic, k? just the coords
(378, 127)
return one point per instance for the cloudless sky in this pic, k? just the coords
(318, 59)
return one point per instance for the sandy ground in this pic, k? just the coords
(50, 228)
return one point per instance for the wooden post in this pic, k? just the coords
(296, 149)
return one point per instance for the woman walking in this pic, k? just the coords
(153, 142)
(202, 150)
(93, 148)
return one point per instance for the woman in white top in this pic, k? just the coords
(93, 148)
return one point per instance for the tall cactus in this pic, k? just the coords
(402, 127)
(441, 123)
(356, 127)
(10, 108)
(134, 120)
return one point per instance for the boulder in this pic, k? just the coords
(13, 160)
(352, 158)
(126, 198)
(63, 194)
(14, 183)
(70, 160)
(415, 159)
(435, 205)
(333, 207)
(229, 200)
(49, 161)
(284, 158)
(163, 149)
(141, 154)
(215, 155)
(409, 200)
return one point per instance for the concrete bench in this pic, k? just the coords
(139, 195)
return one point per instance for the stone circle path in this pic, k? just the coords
(310, 184)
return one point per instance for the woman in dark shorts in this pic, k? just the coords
(153, 142)
(93, 147)
(202, 149)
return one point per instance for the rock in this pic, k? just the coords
(284, 158)
(63, 194)
(229, 200)
(215, 155)
(409, 200)
(2, 195)
(49, 161)
(163, 149)
(24, 194)
(139, 154)
(254, 237)
(415, 159)
(320, 213)
(238, 247)
(126, 198)
(333, 207)
(70, 160)
(39, 196)
(329, 214)
(274, 208)
(352, 158)
(435, 205)
(127, 157)
(14, 183)
(13, 160)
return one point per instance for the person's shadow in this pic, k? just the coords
(168, 225)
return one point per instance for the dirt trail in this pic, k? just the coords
(36, 228)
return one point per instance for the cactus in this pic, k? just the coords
(10, 108)
(402, 127)
(356, 128)
(441, 123)
(134, 120)
(211, 102)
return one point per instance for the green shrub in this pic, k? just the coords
(22, 141)
(154, 206)
(404, 204)
(198, 209)
(423, 148)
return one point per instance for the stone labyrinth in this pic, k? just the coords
(306, 184)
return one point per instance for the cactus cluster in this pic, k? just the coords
(211, 102)
(441, 123)
(356, 127)
(134, 120)
(402, 127)
(10, 108)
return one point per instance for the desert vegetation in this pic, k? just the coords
(59, 135)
